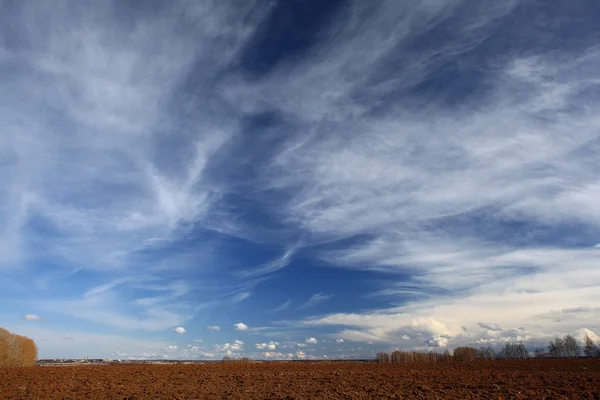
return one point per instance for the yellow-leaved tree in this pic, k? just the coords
(16, 350)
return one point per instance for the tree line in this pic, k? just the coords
(16, 350)
(565, 347)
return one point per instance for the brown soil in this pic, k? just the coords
(531, 379)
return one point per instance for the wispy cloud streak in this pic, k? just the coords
(315, 299)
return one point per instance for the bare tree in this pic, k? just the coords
(399, 357)
(514, 351)
(486, 353)
(465, 354)
(556, 347)
(446, 357)
(383, 357)
(564, 347)
(572, 349)
(590, 348)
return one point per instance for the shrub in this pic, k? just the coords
(16, 351)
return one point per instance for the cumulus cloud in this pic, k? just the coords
(268, 346)
(437, 341)
(31, 317)
(489, 327)
(580, 334)
(237, 345)
(213, 328)
(278, 355)
(240, 326)
(339, 340)
(300, 355)
(384, 327)
(311, 340)
(180, 330)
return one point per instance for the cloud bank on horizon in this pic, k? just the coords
(298, 179)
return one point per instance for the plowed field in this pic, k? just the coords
(532, 379)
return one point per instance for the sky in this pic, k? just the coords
(298, 179)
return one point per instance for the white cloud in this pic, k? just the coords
(107, 179)
(436, 188)
(240, 326)
(180, 329)
(213, 328)
(238, 298)
(301, 344)
(274, 265)
(437, 341)
(450, 181)
(101, 309)
(120, 99)
(172, 348)
(278, 355)
(529, 282)
(283, 306)
(96, 291)
(228, 348)
(580, 334)
(300, 355)
(457, 321)
(316, 299)
(31, 317)
(268, 346)
(339, 340)
(384, 327)
(489, 327)
(311, 340)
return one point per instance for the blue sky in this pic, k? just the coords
(298, 179)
